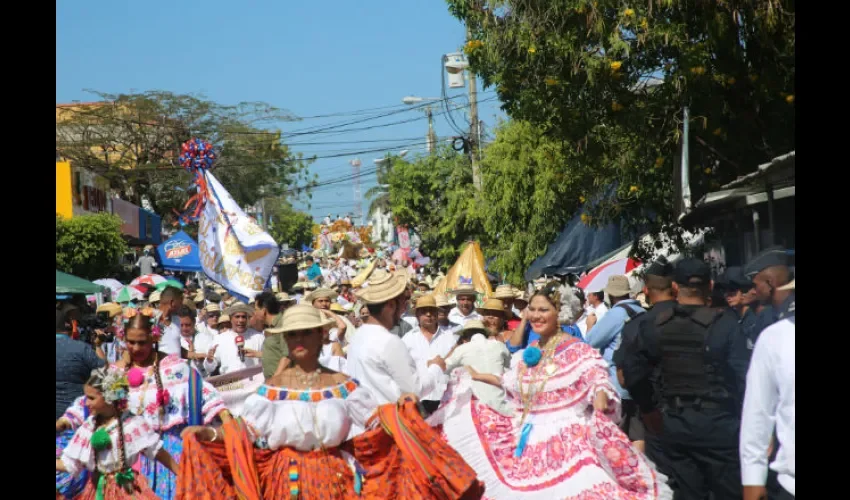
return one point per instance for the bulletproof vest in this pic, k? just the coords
(686, 367)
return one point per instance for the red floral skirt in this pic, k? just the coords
(111, 490)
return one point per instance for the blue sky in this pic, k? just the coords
(311, 58)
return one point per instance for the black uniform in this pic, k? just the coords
(771, 257)
(702, 364)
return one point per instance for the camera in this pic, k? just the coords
(90, 322)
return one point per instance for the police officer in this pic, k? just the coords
(703, 369)
(630, 359)
(769, 271)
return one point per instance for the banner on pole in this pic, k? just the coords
(234, 250)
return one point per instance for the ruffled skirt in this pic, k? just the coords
(66, 486)
(111, 490)
(162, 480)
(570, 454)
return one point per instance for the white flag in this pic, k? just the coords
(234, 250)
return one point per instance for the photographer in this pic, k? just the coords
(106, 326)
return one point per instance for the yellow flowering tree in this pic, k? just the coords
(607, 80)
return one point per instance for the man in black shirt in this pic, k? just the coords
(75, 361)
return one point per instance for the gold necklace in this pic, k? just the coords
(527, 399)
(307, 379)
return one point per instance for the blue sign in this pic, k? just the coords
(180, 253)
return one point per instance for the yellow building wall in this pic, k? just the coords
(64, 201)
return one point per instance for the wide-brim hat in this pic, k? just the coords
(442, 300)
(224, 318)
(211, 308)
(504, 292)
(321, 293)
(284, 297)
(474, 325)
(521, 296)
(240, 308)
(199, 297)
(382, 286)
(492, 305)
(301, 317)
(155, 296)
(110, 307)
(426, 301)
(618, 286)
(464, 289)
(336, 307)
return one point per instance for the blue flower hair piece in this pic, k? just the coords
(532, 355)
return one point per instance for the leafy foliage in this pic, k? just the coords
(287, 225)
(89, 246)
(434, 196)
(608, 80)
(134, 140)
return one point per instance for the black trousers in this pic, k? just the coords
(699, 450)
(781, 494)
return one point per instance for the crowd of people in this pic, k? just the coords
(389, 390)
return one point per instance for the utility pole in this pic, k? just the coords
(473, 126)
(431, 138)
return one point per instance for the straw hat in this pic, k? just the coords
(345, 281)
(442, 300)
(155, 297)
(464, 289)
(336, 307)
(789, 286)
(504, 292)
(426, 301)
(382, 287)
(224, 318)
(240, 308)
(284, 297)
(474, 325)
(492, 305)
(521, 297)
(110, 307)
(321, 293)
(212, 308)
(301, 317)
(199, 297)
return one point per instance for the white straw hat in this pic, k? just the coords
(382, 287)
(301, 317)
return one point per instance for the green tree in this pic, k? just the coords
(89, 246)
(434, 196)
(134, 140)
(287, 225)
(608, 79)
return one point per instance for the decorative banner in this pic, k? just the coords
(235, 387)
(235, 252)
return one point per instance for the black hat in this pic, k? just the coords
(737, 280)
(692, 271)
(660, 268)
(773, 256)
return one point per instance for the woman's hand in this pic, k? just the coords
(408, 397)
(600, 402)
(201, 432)
(437, 361)
(62, 424)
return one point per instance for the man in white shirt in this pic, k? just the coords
(193, 344)
(226, 353)
(465, 310)
(770, 400)
(376, 357)
(427, 341)
(170, 301)
(596, 310)
(484, 355)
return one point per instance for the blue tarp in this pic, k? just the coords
(575, 248)
(180, 253)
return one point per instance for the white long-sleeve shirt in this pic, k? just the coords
(770, 399)
(227, 354)
(457, 317)
(422, 350)
(484, 356)
(382, 364)
(170, 341)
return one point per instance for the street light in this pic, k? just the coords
(431, 138)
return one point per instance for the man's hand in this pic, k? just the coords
(653, 421)
(439, 362)
(755, 493)
(211, 353)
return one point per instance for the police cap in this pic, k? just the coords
(771, 257)
(660, 268)
(736, 280)
(692, 271)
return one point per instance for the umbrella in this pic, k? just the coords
(169, 283)
(130, 293)
(69, 284)
(150, 279)
(111, 283)
(597, 278)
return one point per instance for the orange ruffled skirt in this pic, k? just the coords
(402, 459)
(111, 490)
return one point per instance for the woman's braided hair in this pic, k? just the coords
(114, 387)
(143, 321)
